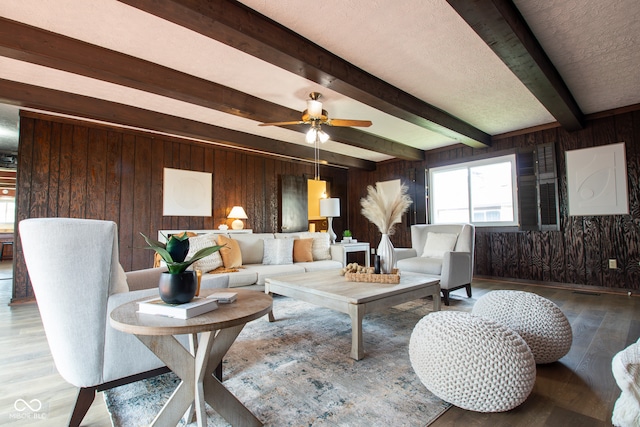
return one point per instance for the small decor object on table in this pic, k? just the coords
(195, 307)
(357, 273)
(178, 286)
(346, 236)
(384, 206)
(224, 297)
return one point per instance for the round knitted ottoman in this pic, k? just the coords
(538, 321)
(472, 362)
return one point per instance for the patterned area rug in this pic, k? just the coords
(297, 372)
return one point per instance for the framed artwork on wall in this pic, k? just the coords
(186, 193)
(597, 180)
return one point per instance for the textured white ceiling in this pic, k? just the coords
(594, 44)
(423, 48)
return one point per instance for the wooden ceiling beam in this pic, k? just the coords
(502, 27)
(238, 26)
(31, 44)
(55, 101)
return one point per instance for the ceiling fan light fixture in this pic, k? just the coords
(324, 137)
(314, 108)
(316, 133)
(311, 136)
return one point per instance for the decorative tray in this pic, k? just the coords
(394, 277)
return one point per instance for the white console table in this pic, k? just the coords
(162, 233)
(355, 247)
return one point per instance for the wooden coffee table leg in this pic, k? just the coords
(356, 312)
(436, 298)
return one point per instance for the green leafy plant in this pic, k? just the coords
(346, 233)
(175, 251)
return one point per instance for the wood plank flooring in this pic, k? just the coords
(577, 391)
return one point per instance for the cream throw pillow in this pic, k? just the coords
(210, 262)
(278, 251)
(321, 247)
(439, 243)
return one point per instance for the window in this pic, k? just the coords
(7, 212)
(482, 192)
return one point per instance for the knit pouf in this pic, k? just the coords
(472, 362)
(626, 371)
(538, 321)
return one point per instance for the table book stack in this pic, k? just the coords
(224, 297)
(195, 307)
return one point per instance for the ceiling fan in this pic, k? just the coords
(315, 116)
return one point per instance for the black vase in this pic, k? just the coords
(178, 288)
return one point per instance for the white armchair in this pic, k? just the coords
(445, 251)
(77, 279)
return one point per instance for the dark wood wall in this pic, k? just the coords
(69, 168)
(84, 170)
(578, 254)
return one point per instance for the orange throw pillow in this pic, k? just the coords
(302, 250)
(231, 255)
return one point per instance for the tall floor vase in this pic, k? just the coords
(387, 255)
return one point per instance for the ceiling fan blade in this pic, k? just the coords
(298, 122)
(347, 122)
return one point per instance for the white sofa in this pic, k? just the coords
(444, 251)
(253, 272)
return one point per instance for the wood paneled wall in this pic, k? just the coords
(578, 254)
(77, 169)
(84, 170)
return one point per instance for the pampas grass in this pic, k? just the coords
(385, 210)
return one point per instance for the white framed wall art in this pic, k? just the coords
(597, 180)
(186, 193)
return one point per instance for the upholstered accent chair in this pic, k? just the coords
(445, 251)
(74, 268)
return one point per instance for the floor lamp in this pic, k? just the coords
(330, 208)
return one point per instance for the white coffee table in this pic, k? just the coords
(331, 290)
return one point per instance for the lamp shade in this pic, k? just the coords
(237, 212)
(330, 207)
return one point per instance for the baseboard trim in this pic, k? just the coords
(558, 285)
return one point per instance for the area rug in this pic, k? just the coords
(297, 372)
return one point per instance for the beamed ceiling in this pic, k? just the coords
(427, 73)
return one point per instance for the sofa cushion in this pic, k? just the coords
(242, 277)
(421, 265)
(252, 246)
(277, 251)
(264, 271)
(327, 264)
(207, 263)
(302, 250)
(230, 253)
(439, 243)
(118, 281)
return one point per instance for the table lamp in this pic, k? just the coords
(237, 214)
(330, 208)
